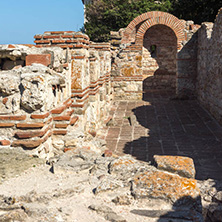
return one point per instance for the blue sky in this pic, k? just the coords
(22, 19)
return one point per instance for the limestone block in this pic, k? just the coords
(108, 185)
(10, 104)
(134, 86)
(165, 186)
(126, 167)
(34, 94)
(183, 166)
(9, 83)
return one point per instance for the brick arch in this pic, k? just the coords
(150, 19)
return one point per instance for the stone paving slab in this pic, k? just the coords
(160, 125)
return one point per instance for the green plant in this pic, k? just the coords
(104, 16)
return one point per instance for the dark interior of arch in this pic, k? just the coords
(159, 66)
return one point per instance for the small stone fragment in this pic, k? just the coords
(108, 153)
(207, 198)
(212, 192)
(218, 196)
(122, 200)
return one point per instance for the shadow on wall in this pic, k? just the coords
(187, 67)
(159, 58)
(161, 79)
(166, 69)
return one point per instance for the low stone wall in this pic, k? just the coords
(49, 89)
(209, 79)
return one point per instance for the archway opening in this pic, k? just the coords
(159, 59)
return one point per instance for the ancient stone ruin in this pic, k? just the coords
(56, 95)
(66, 78)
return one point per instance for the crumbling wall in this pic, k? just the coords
(29, 95)
(127, 73)
(57, 88)
(209, 78)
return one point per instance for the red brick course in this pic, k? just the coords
(59, 132)
(58, 41)
(30, 134)
(74, 120)
(61, 118)
(5, 117)
(51, 36)
(27, 143)
(6, 125)
(39, 116)
(30, 125)
(5, 142)
(42, 41)
(58, 110)
(37, 58)
(61, 125)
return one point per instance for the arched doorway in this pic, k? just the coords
(159, 58)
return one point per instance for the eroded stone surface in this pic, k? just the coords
(123, 165)
(183, 166)
(108, 184)
(163, 185)
(12, 81)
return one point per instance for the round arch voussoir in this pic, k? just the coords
(150, 19)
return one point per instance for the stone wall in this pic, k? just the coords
(209, 79)
(49, 89)
(187, 62)
(127, 73)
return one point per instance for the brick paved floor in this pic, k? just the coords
(167, 127)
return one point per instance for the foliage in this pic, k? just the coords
(197, 10)
(104, 16)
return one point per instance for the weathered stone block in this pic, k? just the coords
(183, 166)
(165, 186)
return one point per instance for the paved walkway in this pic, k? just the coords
(162, 126)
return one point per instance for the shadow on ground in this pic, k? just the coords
(178, 127)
